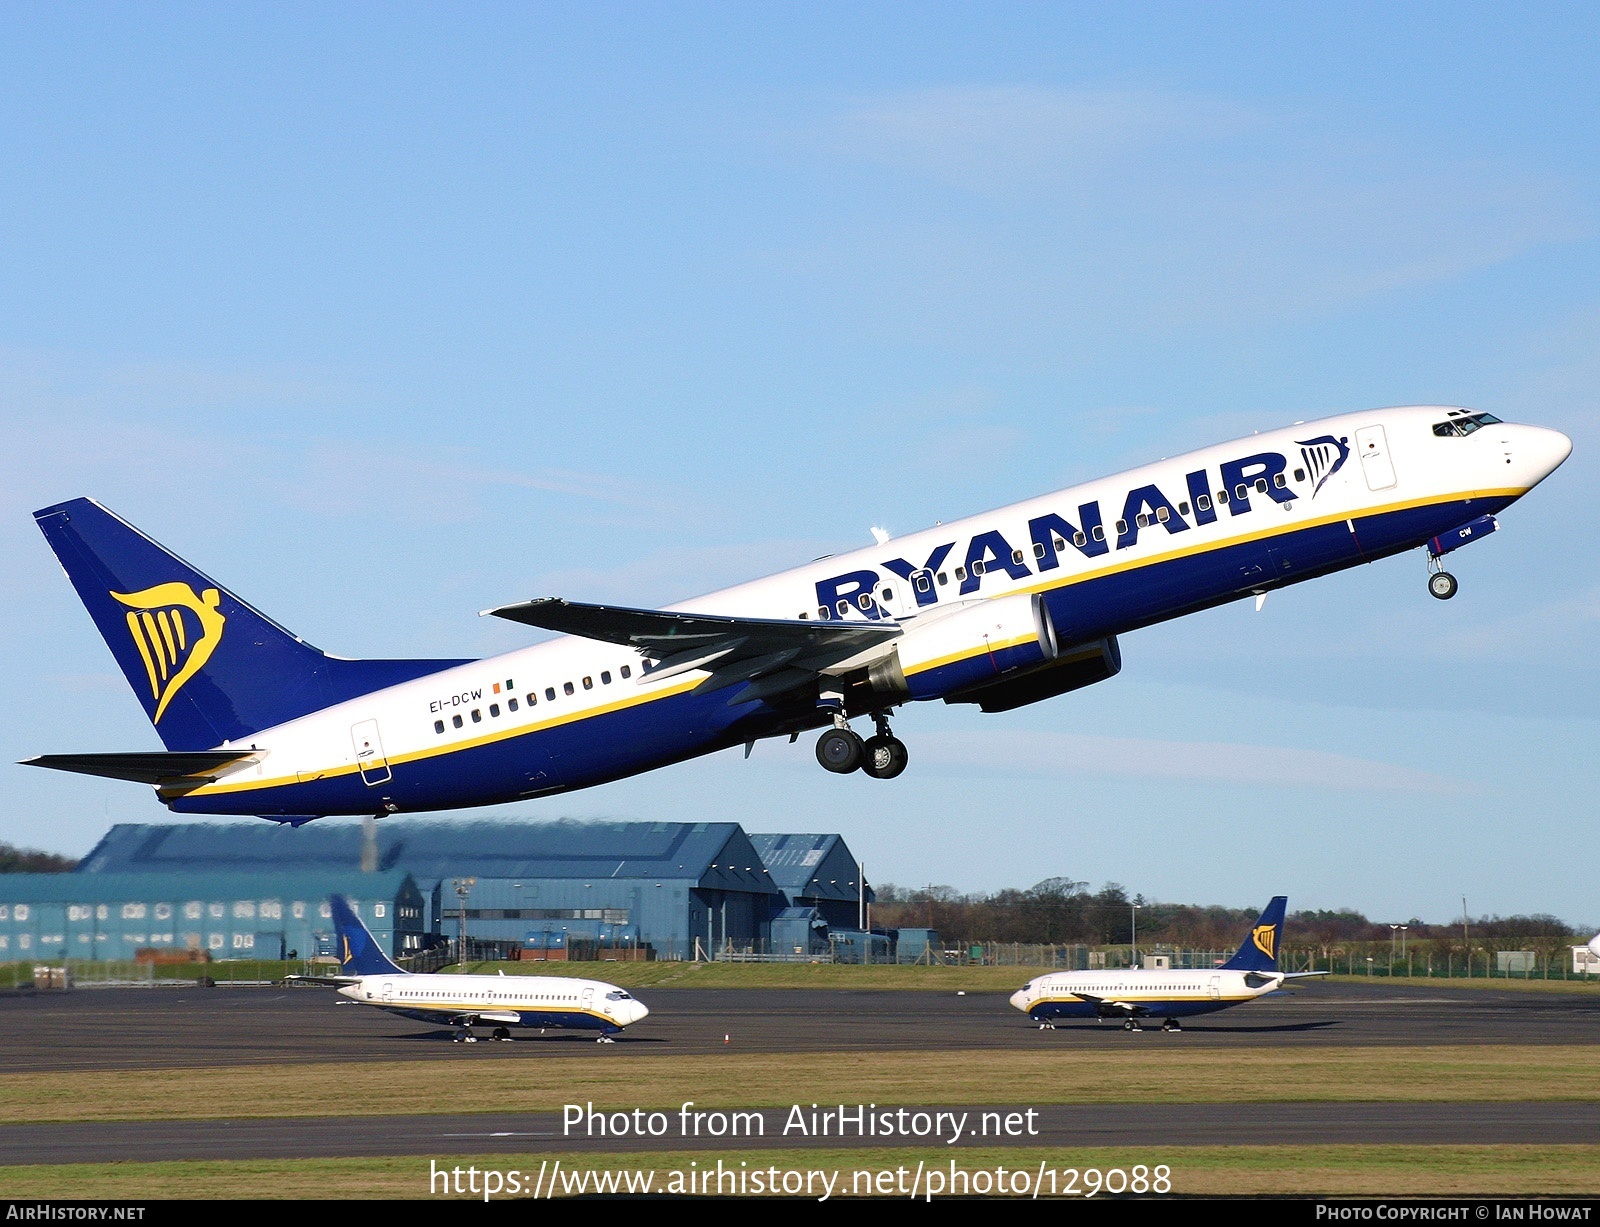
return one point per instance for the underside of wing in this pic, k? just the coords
(155, 767)
(775, 654)
(1112, 1009)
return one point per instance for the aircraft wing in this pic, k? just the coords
(1113, 1009)
(783, 652)
(321, 981)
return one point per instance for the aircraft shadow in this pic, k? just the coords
(1187, 1027)
(573, 1037)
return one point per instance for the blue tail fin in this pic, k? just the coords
(207, 666)
(1260, 950)
(359, 952)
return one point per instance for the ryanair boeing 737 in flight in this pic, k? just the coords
(1000, 609)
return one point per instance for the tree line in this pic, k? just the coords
(1065, 912)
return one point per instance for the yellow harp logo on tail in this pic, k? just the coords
(1263, 936)
(175, 632)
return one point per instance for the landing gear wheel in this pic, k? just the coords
(884, 757)
(1130, 1025)
(502, 1033)
(840, 751)
(1442, 585)
(1171, 1025)
(605, 1039)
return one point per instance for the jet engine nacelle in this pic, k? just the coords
(976, 645)
(1072, 669)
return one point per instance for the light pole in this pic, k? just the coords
(1133, 916)
(1393, 929)
(463, 888)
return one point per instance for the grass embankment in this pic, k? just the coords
(479, 1083)
(1350, 1171)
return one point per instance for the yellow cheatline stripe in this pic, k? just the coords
(988, 648)
(455, 1007)
(1204, 547)
(231, 786)
(1128, 997)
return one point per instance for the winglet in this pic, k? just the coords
(359, 952)
(1259, 951)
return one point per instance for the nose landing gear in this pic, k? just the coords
(1442, 585)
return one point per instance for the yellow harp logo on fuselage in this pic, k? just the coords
(1262, 936)
(175, 632)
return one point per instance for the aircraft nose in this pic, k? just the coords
(636, 1011)
(1020, 999)
(1543, 450)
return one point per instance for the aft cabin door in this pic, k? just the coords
(1376, 462)
(370, 761)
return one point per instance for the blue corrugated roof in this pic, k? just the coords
(116, 887)
(812, 866)
(717, 855)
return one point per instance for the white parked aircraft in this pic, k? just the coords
(465, 1002)
(1000, 609)
(1134, 993)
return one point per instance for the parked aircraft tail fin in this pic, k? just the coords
(1259, 952)
(207, 666)
(359, 952)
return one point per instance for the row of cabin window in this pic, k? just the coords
(532, 698)
(864, 601)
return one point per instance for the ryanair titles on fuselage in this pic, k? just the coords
(1144, 509)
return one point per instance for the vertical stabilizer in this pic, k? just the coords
(207, 666)
(359, 952)
(1260, 950)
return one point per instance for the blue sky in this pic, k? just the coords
(384, 314)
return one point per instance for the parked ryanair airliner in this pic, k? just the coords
(1134, 993)
(464, 1002)
(1001, 609)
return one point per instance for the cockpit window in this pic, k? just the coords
(1464, 425)
(618, 995)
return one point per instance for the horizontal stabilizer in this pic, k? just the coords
(170, 767)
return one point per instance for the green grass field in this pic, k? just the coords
(743, 1080)
(733, 1079)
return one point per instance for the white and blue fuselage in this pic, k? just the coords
(1001, 608)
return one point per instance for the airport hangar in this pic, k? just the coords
(635, 889)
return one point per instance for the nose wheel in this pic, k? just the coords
(1442, 585)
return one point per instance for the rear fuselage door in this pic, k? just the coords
(1376, 463)
(370, 761)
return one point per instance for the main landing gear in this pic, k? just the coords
(882, 756)
(503, 1033)
(1132, 1024)
(1171, 1024)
